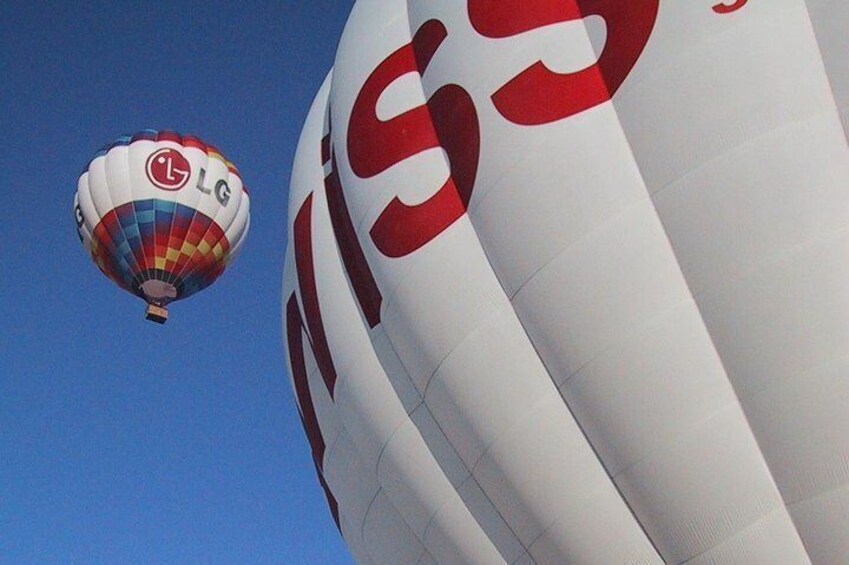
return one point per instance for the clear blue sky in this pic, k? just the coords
(122, 441)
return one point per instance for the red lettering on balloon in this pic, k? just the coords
(309, 294)
(295, 343)
(375, 145)
(314, 328)
(538, 95)
(331, 500)
(294, 334)
(448, 120)
(362, 280)
(723, 8)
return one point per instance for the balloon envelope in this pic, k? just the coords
(566, 282)
(161, 214)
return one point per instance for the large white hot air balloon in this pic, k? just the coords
(567, 281)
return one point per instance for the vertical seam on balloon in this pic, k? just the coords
(560, 393)
(298, 301)
(408, 418)
(174, 275)
(309, 402)
(437, 462)
(191, 263)
(197, 256)
(236, 236)
(571, 412)
(331, 445)
(469, 470)
(365, 517)
(584, 434)
(146, 275)
(388, 299)
(825, 70)
(129, 179)
(222, 261)
(827, 74)
(120, 226)
(400, 425)
(156, 274)
(86, 220)
(237, 242)
(241, 228)
(86, 191)
(709, 334)
(469, 477)
(116, 262)
(359, 552)
(166, 272)
(111, 208)
(624, 499)
(194, 268)
(421, 396)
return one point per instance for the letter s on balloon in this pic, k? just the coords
(539, 95)
(448, 120)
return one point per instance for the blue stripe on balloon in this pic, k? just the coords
(143, 205)
(165, 205)
(145, 216)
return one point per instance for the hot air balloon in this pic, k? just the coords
(162, 215)
(567, 281)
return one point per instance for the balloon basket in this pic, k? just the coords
(154, 313)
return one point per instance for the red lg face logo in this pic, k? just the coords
(168, 169)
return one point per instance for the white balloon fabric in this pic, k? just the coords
(567, 281)
(161, 214)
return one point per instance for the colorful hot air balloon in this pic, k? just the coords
(567, 281)
(162, 215)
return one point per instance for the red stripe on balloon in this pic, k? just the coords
(294, 336)
(309, 293)
(167, 135)
(325, 149)
(362, 279)
(192, 141)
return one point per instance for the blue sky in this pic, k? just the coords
(122, 441)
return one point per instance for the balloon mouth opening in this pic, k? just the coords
(158, 292)
(156, 286)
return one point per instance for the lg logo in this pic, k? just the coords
(168, 169)
(221, 188)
